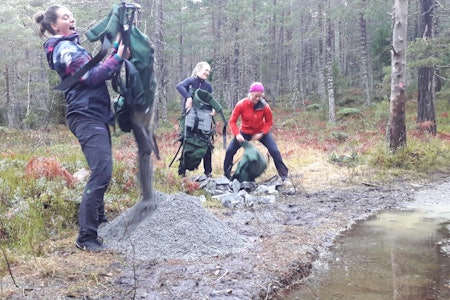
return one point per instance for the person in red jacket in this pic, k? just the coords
(256, 121)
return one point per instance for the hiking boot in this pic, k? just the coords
(91, 246)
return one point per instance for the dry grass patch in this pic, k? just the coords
(68, 271)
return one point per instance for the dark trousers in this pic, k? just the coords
(207, 161)
(268, 141)
(95, 141)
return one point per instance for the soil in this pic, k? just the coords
(179, 252)
(284, 239)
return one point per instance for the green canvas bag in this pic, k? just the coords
(198, 129)
(251, 165)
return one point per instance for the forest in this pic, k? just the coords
(327, 53)
(341, 77)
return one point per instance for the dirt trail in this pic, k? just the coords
(188, 252)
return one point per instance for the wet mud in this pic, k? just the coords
(286, 238)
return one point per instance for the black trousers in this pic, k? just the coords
(95, 141)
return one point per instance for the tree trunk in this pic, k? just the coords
(218, 64)
(425, 107)
(321, 58)
(274, 53)
(160, 65)
(11, 103)
(236, 68)
(329, 72)
(396, 129)
(365, 69)
(426, 114)
(28, 112)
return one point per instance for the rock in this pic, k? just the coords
(210, 186)
(231, 200)
(235, 194)
(236, 186)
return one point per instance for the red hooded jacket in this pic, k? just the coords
(255, 118)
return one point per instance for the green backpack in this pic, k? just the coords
(251, 165)
(137, 90)
(199, 128)
(194, 149)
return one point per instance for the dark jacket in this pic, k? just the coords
(89, 97)
(187, 87)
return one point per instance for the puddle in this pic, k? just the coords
(395, 255)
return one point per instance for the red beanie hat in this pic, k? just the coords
(256, 87)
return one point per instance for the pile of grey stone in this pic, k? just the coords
(235, 194)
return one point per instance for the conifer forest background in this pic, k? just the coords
(328, 53)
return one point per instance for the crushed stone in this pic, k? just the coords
(180, 227)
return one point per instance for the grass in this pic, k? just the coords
(38, 216)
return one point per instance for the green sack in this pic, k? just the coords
(251, 165)
(198, 129)
(130, 98)
(204, 100)
(194, 148)
(138, 88)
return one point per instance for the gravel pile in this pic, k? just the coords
(179, 228)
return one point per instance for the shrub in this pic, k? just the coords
(349, 112)
(418, 156)
(313, 107)
(340, 136)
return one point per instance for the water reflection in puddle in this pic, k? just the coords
(396, 255)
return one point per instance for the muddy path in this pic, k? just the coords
(284, 237)
(187, 251)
